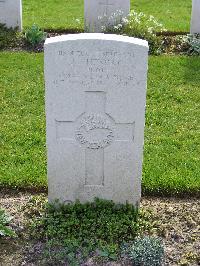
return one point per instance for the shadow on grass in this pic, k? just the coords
(192, 70)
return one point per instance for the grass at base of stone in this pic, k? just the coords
(172, 148)
(62, 14)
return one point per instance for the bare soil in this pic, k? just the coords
(177, 221)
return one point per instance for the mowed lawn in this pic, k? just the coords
(172, 132)
(63, 14)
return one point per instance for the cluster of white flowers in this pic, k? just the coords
(118, 27)
(114, 16)
(134, 21)
(103, 28)
(150, 30)
(151, 23)
(125, 20)
(116, 19)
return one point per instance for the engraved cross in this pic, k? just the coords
(94, 130)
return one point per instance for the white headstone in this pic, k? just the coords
(95, 110)
(195, 20)
(104, 13)
(11, 13)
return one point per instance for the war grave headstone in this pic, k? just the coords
(95, 115)
(104, 13)
(195, 19)
(11, 13)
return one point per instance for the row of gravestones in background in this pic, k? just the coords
(97, 13)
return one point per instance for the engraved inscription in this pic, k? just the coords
(95, 77)
(105, 58)
(97, 69)
(94, 131)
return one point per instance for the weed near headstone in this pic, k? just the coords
(74, 232)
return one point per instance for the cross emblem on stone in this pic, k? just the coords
(106, 5)
(94, 131)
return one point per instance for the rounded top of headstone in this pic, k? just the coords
(97, 36)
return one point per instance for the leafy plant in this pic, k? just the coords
(184, 44)
(141, 26)
(107, 23)
(146, 251)
(193, 40)
(35, 35)
(4, 222)
(75, 230)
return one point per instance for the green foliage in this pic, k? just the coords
(4, 225)
(193, 41)
(141, 26)
(145, 27)
(73, 231)
(171, 161)
(35, 35)
(98, 220)
(187, 44)
(8, 37)
(146, 251)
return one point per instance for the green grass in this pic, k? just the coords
(62, 14)
(53, 14)
(172, 133)
(174, 14)
(172, 147)
(23, 120)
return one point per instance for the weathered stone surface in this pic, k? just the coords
(11, 13)
(195, 19)
(104, 13)
(95, 110)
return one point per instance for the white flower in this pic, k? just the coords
(151, 18)
(77, 20)
(124, 20)
(150, 29)
(137, 20)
